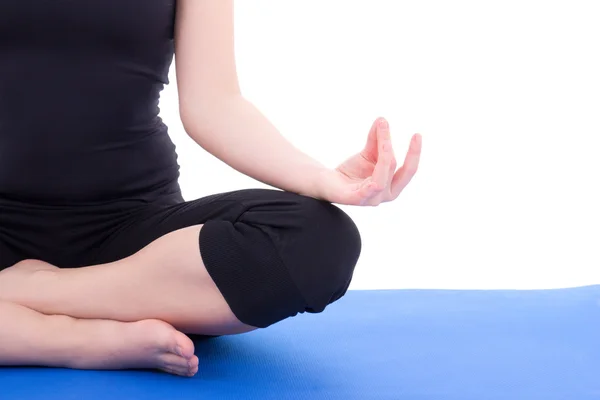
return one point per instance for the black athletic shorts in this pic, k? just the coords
(271, 253)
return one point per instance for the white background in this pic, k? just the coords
(507, 98)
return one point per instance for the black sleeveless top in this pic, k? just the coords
(80, 82)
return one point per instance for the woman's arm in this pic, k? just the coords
(216, 115)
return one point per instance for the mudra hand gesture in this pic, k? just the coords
(370, 178)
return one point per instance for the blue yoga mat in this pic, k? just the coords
(404, 344)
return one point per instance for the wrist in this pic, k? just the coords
(316, 183)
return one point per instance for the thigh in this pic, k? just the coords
(166, 215)
(272, 254)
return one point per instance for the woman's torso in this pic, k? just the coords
(80, 82)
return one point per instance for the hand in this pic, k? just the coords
(370, 178)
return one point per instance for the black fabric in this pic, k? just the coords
(80, 83)
(88, 173)
(271, 253)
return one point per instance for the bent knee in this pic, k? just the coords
(292, 255)
(34, 265)
(323, 267)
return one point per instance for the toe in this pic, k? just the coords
(174, 361)
(174, 364)
(183, 346)
(193, 366)
(175, 371)
(193, 369)
(193, 362)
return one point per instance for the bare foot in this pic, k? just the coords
(150, 344)
(30, 338)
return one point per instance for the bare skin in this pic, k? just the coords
(130, 326)
(31, 338)
(132, 313)
(166, 280)
(121, 315)
(159, 292)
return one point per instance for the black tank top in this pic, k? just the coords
(80, 82)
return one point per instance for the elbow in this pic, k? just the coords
(202, 118)
(202, 115)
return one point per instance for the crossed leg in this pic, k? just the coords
(165, 288)
(28, 337)
(166, 280)
(100, 297)
(103, 295)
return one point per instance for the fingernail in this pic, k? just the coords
(383, 124)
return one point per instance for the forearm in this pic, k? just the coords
(237, 133)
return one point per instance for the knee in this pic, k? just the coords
(324, 255)
(33, 265)
(285, 255)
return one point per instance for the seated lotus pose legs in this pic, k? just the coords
(103, 264)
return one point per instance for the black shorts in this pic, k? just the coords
(271, 253)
